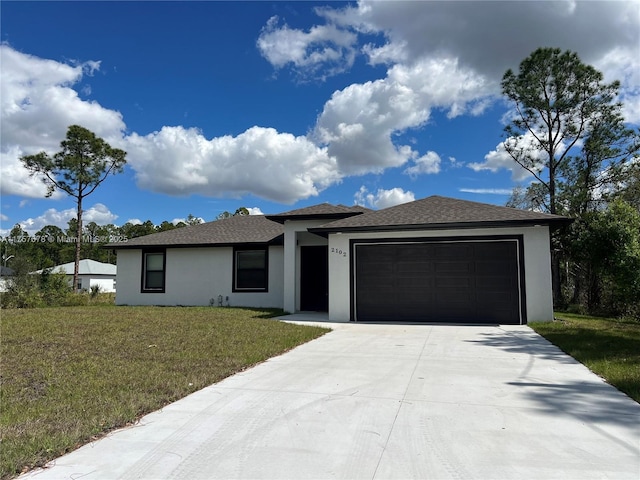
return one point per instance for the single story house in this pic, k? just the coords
(90, 274)
(436, 259)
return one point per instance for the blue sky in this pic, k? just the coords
(280, 105)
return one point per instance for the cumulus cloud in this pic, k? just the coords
(260, 161)
(323, 51)
(98, 213)
(382, 198)
(500, 159)
(255, 211)
(427, 164)
(490, 37)
(358, 124)
(603, 34)
(37, 104)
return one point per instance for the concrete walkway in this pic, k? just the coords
(386, 401)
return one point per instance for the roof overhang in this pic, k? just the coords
(279, 240)
(553, 224)
(329, 217)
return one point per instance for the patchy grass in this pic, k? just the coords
(607, 346)
(71, 374)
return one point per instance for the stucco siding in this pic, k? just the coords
(537, 266)
(295, 236)
(196, 276)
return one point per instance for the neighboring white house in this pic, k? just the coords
(5, 274)
(432, 260)
(90, 274)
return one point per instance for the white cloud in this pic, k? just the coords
(382, 198)
(98, 213)
(459, 30)
(499, 159)
(134, 221)
(325, 48)
(453, 163)
(255, 211)
(3, 217)
(487, 191)
(260, 161)
(623, 64)
(37, 104)
(427, 164)
(604, 34)
(358, 123)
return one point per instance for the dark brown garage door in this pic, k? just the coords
(467, 282)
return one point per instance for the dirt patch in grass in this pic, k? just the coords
(609, 347)
(71, 374)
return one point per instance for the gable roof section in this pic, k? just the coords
(243, 229)
(437, 212)
(86, 267)
(323, 211)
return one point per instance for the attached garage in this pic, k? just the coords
(439, 280)
(441, 260)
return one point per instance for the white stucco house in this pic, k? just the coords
(90, 274)
(5, 275)
(432, 260)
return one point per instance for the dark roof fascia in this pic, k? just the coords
(327, 216)
(279, 240)
(554, 223)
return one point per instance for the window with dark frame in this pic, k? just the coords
(250, 270)
(153, 271)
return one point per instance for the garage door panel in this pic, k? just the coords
(452, 251)
(452, 282)
(453, 267)
(493, 268)
(473, 281)
(414, 267)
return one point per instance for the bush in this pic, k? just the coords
(29, 290)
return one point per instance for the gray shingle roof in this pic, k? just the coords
(244, 229)
(321, 211)
(440, 212)
(429, 213)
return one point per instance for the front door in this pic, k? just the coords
(314, 278)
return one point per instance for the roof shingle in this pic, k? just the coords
(319, 212)
(440, 212)
(243, 229)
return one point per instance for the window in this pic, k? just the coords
(153, 269)
(250, 270)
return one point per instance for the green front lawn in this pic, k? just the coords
(608, 347)
(71, 374)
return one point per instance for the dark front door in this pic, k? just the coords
(314, 278)
(470, 282)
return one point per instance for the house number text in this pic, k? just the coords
(337, 251)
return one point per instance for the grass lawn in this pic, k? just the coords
(71, 374)
(608, 347)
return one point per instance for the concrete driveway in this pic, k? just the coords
(386, 401)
